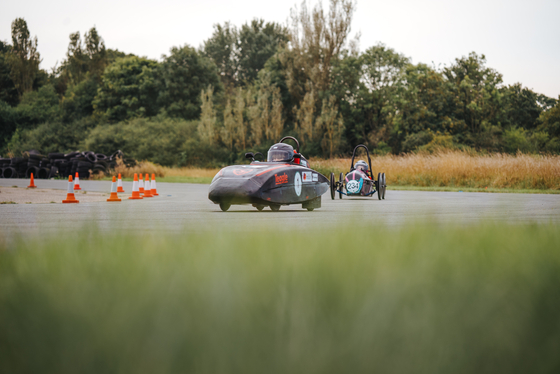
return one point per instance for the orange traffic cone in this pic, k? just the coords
(114, 196)
(140, 183)
(70, 198)
(77, 183)
(147, 188)
(119, 184)
(153, 185)
(32, 182)
(135, 191)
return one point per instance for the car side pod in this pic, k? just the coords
(114, 196)
(70, 198)
(135, 189)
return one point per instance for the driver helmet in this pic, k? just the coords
(361, 165)
(280, 152)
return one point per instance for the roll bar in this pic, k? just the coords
(292, 138)
(369, 159)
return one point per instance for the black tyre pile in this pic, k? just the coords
(60, 165)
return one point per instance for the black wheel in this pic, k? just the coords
(379, 186)
(384, 186)
(310, 209)
(340, 185)
(224, 206)
(333, 186)
(275, 207)
(259, 207)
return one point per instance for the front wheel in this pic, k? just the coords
(340, 185)
(384, 186)
(379, 186)
(333, 186)
(224, 206)
(275, 207)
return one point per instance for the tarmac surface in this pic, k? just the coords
(185, 207)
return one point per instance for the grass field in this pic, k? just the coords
(413, 299)
(446, 170)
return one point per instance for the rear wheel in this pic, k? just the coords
(275, 207)
(384, 186)
(259, 207)
(340, 185)
(224, 206)
(379, 186)
(333, 186)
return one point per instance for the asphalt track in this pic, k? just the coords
(185, 207)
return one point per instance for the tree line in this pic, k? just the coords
(247, 86)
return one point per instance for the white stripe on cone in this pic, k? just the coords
(71, 187)
(147, 185)
(153, 184)
(135, 186)
(119, 183)
(114, 187)
(140, 183)
(77, 181)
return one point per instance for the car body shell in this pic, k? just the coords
(267, 184)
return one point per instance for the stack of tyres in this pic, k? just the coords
(4, 163)
(33, 164)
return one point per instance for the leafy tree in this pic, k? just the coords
(476, 89)
(207, 124)
(241, 53)
(427, 107)
(8, 92)
(23, 58)
(316, 42)
(182, 76)
(221, 48)
(521, 107)
(128, 89)
(37, 107)
(77, 102)
(549, 120)
(257, 42)
(333, 126)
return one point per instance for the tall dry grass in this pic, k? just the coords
(460, 169)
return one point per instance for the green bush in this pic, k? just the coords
(51, 137)
(159, 139)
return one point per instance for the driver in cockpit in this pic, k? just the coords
(362, 166)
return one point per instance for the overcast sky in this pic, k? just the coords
(521, 39)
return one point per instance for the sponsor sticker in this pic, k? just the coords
(315, 177)
(297, 183)
(281, 179)
(241, 171)
(306, 177)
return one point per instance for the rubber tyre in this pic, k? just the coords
(275, 207)
(34, 156)
(34, 170)
(10, 172)
(224, 206)
(333, 188)
(341, 180)
(43, 173)
(101, 157)
(84, 164)
(384, 186)
(379, 186)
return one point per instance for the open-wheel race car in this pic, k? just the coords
(359, 181)
(283, 179)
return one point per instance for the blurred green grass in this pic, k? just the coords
(418, 298)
